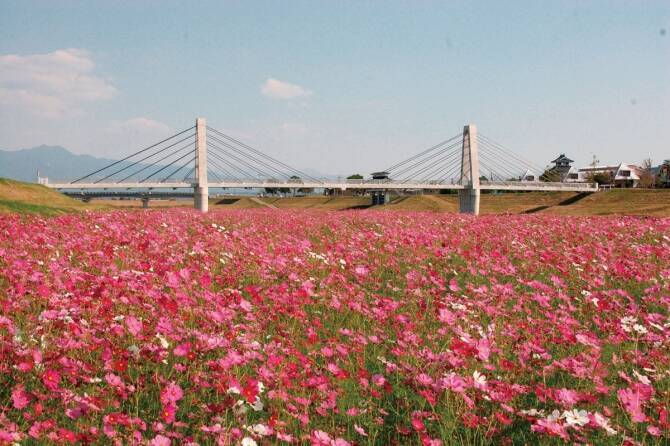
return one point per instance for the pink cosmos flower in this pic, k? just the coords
(550, 427)
(320, 438)
(360, 430)
(51, 379)
(378, 380)
(418, 425)
(114, 380)
(134, 325)
(632, 401)
(20, 398)
(361, 270)
(454, 383)
(653, 430)
(67, 436)
(567, 397)
(171, 393)
(182, 349)
(424, 379)
(447, 316)
(160, 440)
(483, 349)
(172, 279)
(168, 413)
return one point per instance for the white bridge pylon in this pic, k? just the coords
(468, 197)
(453, 164)
(201, 188)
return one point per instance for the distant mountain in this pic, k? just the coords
(59, 164)
(54, 162)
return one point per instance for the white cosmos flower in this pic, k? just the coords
(163, 341)
(135, 350)
(248, 441)
(260, 429)
(576, 417)
(640, 329)
(258, 405)
(553, 416)
(643, 379)
(480, 380)
(239, 408)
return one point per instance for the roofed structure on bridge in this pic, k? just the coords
(562, 166)
(562, 161)
(382, 175)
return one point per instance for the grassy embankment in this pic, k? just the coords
(27, 198)
(612, 202)
(16, 196)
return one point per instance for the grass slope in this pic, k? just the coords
(24, 198)
(620, 202)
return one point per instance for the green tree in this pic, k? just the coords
(599, 177)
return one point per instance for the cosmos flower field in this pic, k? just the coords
(260, 327)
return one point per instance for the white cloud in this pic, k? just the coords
(133, 134)
(276, 89)
(52, 84)
(140, 125)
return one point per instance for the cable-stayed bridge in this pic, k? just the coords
(202, 157)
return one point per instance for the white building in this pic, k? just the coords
(619, 175)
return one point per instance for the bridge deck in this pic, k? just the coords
(357, 184)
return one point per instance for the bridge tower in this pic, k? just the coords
(201, 190)
(469, 196)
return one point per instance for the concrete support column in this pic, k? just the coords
(469, 197)
(468, 200)
(201, 190)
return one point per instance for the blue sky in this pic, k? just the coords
(340, 86)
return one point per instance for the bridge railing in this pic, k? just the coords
(541, 185)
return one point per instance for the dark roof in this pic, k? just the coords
(381, 174)
(562, 157)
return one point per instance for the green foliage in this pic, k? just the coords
(29, 208)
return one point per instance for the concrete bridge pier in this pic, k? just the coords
(469, 196)
(469, 201)
(201, 190)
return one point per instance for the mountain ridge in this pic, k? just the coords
(59, 164)
(51, 161)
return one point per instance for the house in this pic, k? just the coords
(618, 175)
(572, 176)
(662, 174)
